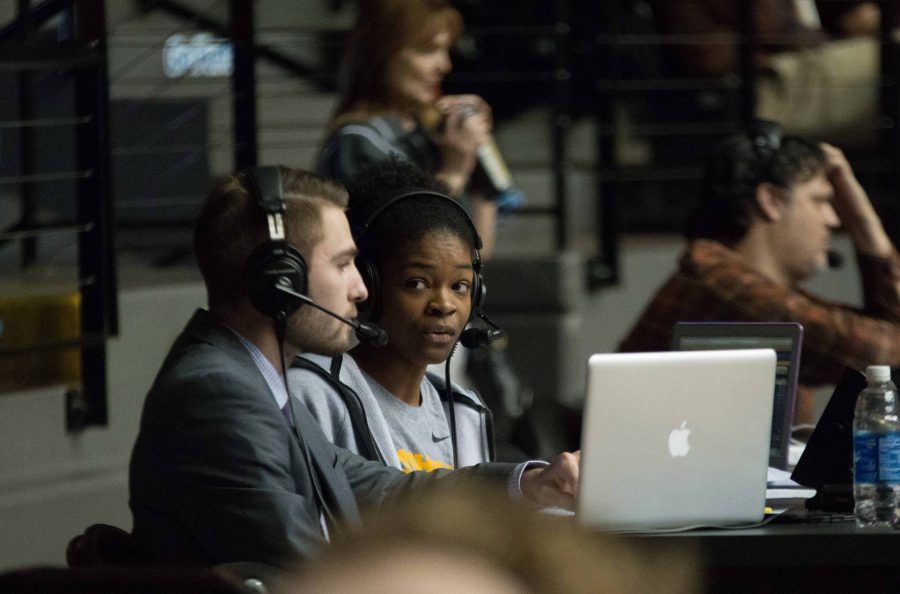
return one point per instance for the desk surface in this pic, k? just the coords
(835, 544)
(791, 557)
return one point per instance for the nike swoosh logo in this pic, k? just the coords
(437, 438)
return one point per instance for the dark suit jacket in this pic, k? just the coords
(217, 475)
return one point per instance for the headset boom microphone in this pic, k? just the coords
(472, 338)
(370, 333)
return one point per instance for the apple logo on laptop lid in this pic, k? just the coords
(678, 441)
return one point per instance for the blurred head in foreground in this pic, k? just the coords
(478, 541)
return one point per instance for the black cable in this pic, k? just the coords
(280, 322)
(452, 420)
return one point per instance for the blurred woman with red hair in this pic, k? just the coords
(398, 56)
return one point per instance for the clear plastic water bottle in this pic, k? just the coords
(876, 451)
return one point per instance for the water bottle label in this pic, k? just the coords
(889, 457)
(865, 457)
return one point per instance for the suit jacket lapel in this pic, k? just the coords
(203, 328)
(336, 487)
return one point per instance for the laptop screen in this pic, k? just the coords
(784, 338)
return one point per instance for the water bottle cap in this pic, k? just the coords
(878, 373)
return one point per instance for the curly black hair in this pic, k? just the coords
(405, 221)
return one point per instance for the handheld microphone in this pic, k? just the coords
(472, 338)
(491, 167)
(370, 333)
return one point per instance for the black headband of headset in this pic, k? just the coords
(410, 193)
(766, 136)
(265, 185)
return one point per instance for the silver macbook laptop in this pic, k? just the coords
(676, 439)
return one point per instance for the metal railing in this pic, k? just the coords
(61, 45)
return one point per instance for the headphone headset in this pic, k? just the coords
(371, 308)
(765, 136)
(275, 262)
(733, 174)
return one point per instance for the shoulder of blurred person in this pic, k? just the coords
(717, 26)
(358, 140)
(850, 18)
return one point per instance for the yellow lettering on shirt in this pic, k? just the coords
(410, 461)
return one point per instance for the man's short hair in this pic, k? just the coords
(231, 226)
(728, 206)
(406, 221)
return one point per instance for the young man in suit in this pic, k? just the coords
(225, 468)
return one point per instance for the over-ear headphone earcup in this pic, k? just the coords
(370, 309)
(478, 290)
(274, 264)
